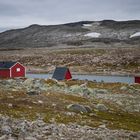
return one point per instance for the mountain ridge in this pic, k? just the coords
(75, 34)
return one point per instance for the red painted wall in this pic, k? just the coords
(68, 75)
(137, 80)
(5, 73)
(15, 73)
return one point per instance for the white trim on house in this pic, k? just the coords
(10, 73)
(25, 71)
(15, 64)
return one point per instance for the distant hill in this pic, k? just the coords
(91, 33)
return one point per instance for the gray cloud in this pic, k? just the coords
(6, 10)
(21, 13)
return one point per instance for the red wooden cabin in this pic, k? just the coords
(11, 70)
(62, 73)
(137, 79)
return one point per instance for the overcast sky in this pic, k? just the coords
(21, 13)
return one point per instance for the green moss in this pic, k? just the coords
(70, 98)
(61, 118)
(121, 120)
(51, 82)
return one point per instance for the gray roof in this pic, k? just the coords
(60, 73)
(6, 64)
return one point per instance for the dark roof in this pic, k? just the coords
(60, 73)
(7, 64)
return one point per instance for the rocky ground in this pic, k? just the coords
(39, 109)
(39, 130)
(117, 61)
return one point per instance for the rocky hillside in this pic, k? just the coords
(93, 33)
(39, 109)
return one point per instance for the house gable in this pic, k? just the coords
(68, 75)
(17, 70)
(137, 80)
(61, 73)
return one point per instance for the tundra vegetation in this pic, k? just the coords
(108, 107)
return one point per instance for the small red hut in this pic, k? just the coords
(11, 70)
(137, 79)
(62, 73)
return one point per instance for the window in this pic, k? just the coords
(18, 69)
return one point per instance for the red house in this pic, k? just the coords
(11, 70)
(62, 73)
(137, 79)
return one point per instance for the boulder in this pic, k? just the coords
(87, 91)
(79, 108)
(33, 92)
(39, 101)
(119, 103)
(6, 130)
(30, 138)
(60, 83)
(123, 88)
(101, 107)
(88, 108)
(11, 81)
(100, 91)
(76, 89)
(81, 90)
(28, 81)
(102, 126)
(4, 137)
(39, 82)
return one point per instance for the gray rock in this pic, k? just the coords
(4, 137)
(84, 91)
(101, 107)
(123, 88)
(102, 126)
(119, 103)
(40, 123)
(6, 130)
(79, 108)
(33, 92)
(87, 91)
(132, 108)
(100, 91)
(60, 83)
(28, 81)
(88, 108)
(76, 89)
(11, 138)
(39, 83)
(30, 138)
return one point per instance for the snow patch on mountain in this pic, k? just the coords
(93, 34)
(135, 35)
(87, 25)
